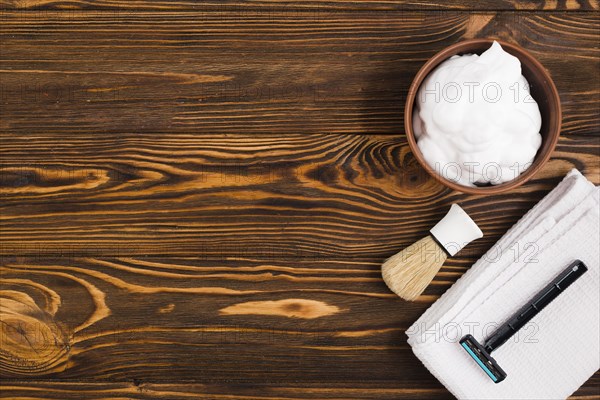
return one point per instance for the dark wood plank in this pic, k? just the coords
(144, 321)
(184, 391)
(235, 320)
(317, 6)
(203, 73)
(257, 321)
(315, 196)
(144, 390)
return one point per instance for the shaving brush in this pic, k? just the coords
(410, 271)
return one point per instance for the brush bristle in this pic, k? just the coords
(409, 272)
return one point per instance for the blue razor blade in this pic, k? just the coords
(482, 365)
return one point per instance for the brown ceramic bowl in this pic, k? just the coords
(542, 90)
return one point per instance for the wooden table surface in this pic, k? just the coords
(196, 197)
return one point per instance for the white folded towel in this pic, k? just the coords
(553, 355)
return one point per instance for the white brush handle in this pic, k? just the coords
(455, 230)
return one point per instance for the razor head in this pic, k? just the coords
(483, 358)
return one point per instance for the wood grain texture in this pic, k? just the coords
(202, 73)
(310, 5)
(72, 320)
(195, 198)
(142, 390)
(143, 321)
(292, 196)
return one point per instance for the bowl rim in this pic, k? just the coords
(458, 48)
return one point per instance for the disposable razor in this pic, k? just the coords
(482, 354)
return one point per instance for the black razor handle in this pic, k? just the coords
(535, 305)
